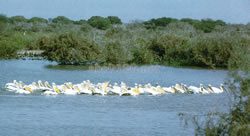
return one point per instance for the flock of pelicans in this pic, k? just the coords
(105, 88)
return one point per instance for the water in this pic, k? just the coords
(104, 115)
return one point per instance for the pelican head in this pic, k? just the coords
(46, 83)
(123, 84)
(14, 81)
(34, 84)
(222, 87)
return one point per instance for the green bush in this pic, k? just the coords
(115, 53)
(11, 42)
(206, 25)
(142, 55)
(70, 49)
(162, 22)
(241, 54)
(212, 51)
(114, 20)
(62, 20)
(80, 22)
(170, 49)
(8, 49)
(99, 22)
(3, 18)
(18, 19)
(37, 20)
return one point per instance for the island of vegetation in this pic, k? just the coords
(108, 41)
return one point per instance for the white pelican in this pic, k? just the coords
(55, 88)
(147, 88)
(12, 87)
(160, 90)
(69, 90)
(134, 91)
(215, 89)
(156, 90)
(49, 92)
(124, 90)
(169, 89)
(98, 89)
(141, 89)
(179, 88)
(46, 84)
(43, 87)
(22, 91)
(116, 89)
(14, 83)
(84, 89)
(195, 89)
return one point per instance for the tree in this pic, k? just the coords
(164, 21)
(18, 19)
(37, 20)
(3, 18)
(114, 20)
(99, 22)
(3, 22)
(80, 22)
(62, 20)
(206, 25)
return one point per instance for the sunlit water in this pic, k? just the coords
(104, 115)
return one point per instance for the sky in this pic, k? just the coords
(231, 11)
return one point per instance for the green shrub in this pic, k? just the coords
(12, 42)
(8, 49)
(62, 20)
(37, 20)
(99, 22)
(206, 25)
(240, 56)
(70, 49)
(80, 22)
(18, 19)
(212, 51)
(170, 49)
(3, 18)
(115, 53)
(142, 55)
(114, 20)
(162, 22)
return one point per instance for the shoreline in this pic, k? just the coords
(105, 66)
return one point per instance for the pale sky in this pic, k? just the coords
(231, 11)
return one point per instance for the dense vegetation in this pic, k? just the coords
(108, 41)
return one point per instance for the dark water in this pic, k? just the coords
(104, 115)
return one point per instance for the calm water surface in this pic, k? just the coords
(104, 115)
